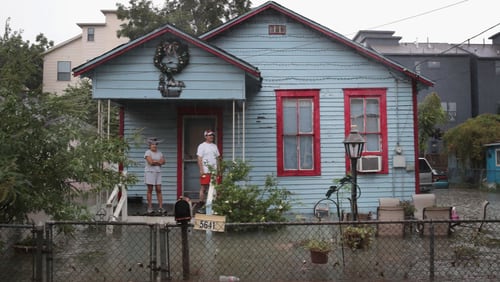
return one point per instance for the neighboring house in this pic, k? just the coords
(280, 90)
(466, 77)
(95, 39)
(485, 76)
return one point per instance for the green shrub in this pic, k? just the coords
(358, 237)
(241, 202)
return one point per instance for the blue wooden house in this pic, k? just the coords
(493, 163)
(280, 90)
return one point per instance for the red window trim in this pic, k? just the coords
(380, 93)
(306, 93)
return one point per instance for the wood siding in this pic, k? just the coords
(134, 76)
(303, 59)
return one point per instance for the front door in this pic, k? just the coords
(192, 135)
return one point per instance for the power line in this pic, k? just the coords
(468, 39)
(457, 45)
(418, 15)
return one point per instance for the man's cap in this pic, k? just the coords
(208, 132)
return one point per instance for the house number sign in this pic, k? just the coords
(207, 222)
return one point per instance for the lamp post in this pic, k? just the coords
(354, 144)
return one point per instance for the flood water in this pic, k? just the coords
(468, 202)
(20, 266)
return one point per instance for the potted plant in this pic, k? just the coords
(319, 249)
(358, 237)
(28, 245)
(409, 208)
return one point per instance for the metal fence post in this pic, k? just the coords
(38, 254)
(431, 252)
(152, 251)
(185, 251)
(164, 272)
(49, 257)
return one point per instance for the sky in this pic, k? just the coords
(447, 21)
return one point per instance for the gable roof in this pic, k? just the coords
(62, 44)
(271, 5)
(167, 29)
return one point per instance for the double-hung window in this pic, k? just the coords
(298, 132)
(90, 34)
(63, 71)
(366, 108)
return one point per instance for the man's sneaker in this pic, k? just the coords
(150, 211)
(161, 211)
(197, 205)
(202, 210)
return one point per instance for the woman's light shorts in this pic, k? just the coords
(152, 178)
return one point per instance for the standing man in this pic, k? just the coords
(208, 158)
(152, 173)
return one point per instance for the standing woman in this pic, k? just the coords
(152, 173)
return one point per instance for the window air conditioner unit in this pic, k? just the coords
(370, 164)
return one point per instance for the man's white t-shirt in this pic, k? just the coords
(209, 154)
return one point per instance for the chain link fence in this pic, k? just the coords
(471, 177)
(17, 255)
(82, 251)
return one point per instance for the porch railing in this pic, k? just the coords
(117, 204)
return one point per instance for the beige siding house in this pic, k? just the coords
(95, 39)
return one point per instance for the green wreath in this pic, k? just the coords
(171, 48)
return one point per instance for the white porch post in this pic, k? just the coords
(234, 126)
(244, 131)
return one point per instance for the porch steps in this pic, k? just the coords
(150, 219)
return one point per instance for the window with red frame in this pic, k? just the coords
(366, 108)
(298, 132)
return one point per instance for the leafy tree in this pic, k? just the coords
(82, 93)
(466, 140)
(48, 145)
(141, 18)
(21, 63)
(191, 16)
(47, 149)
(430, 114)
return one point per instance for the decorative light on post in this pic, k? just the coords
(354, 144)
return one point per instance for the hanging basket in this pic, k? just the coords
(319, 257)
